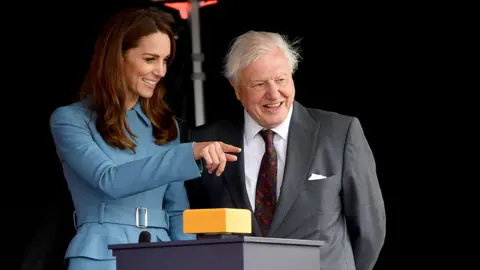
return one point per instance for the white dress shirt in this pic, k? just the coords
(254, 148)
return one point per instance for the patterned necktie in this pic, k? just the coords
(266, 193)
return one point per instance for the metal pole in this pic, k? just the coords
(197, 57)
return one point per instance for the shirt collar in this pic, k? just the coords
(141, 114)
(252, 127)
(137, 108)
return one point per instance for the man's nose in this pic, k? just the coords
(273, 91)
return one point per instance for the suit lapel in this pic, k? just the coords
(234, 176)
(302, 138)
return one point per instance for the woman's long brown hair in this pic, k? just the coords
(105, 80)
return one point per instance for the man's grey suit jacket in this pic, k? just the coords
(345, 209)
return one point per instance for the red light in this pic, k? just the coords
(185, 7)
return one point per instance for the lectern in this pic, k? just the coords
(222, 244)
(229, 253)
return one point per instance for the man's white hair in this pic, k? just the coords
(249, 46)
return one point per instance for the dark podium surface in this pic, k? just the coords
(236, 253)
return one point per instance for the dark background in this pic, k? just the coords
(374, 61)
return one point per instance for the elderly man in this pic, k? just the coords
(304, 173)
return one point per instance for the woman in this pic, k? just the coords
(119, 146)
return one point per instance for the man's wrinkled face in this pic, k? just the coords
(266, 88)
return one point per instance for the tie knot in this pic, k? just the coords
(267, 135)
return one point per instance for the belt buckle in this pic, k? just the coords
(145, 219)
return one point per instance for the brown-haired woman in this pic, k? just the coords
(119, 146)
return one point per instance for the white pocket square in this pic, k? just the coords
(316, 177)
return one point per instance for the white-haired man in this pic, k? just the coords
(304, 173)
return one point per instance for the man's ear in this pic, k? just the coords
(236, 88)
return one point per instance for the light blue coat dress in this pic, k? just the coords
(117, 193)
